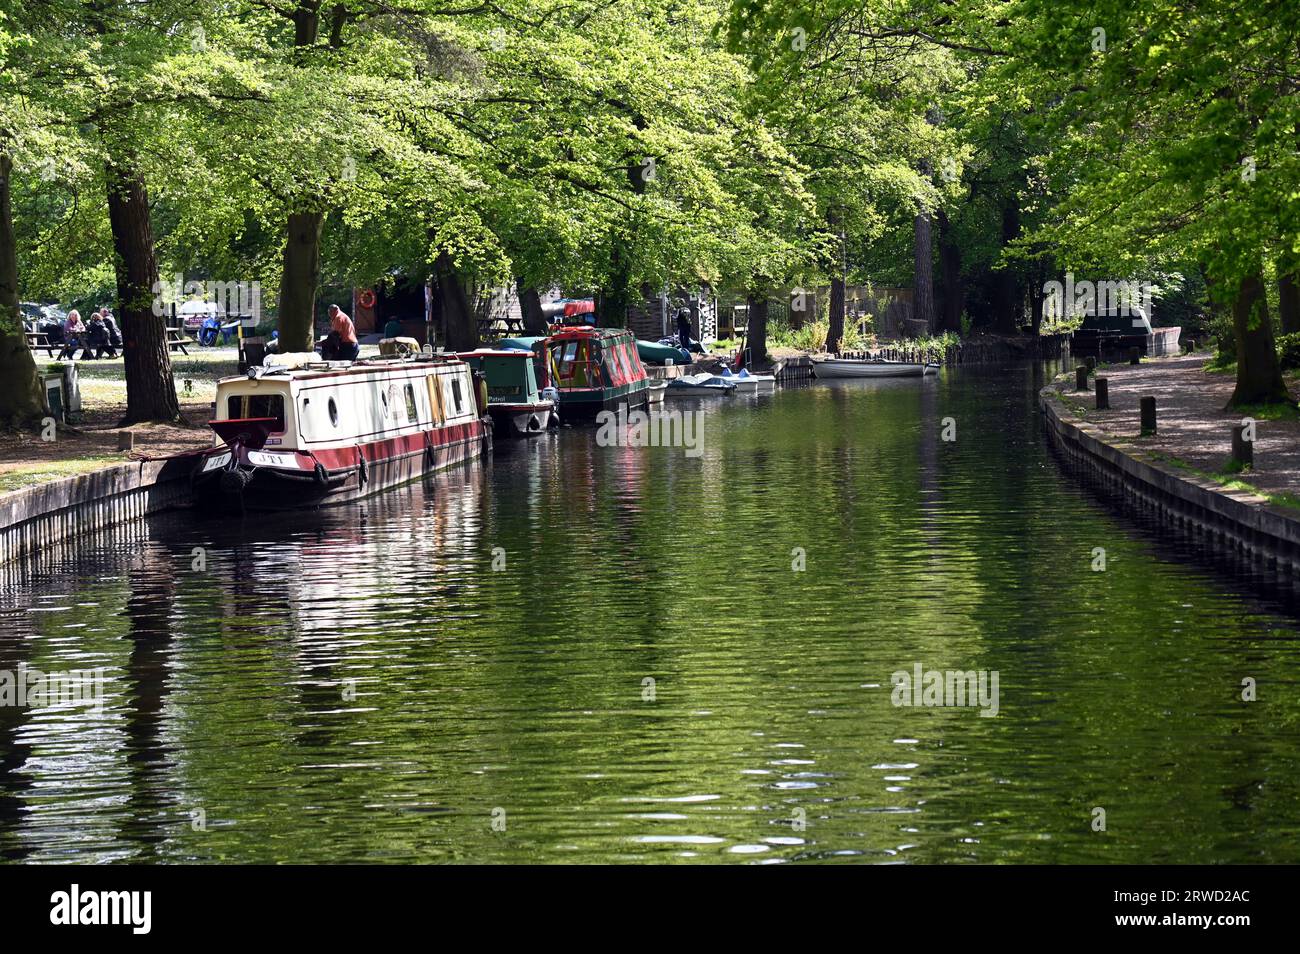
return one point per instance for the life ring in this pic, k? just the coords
(366, 299)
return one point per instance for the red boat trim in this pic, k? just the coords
(334, 459)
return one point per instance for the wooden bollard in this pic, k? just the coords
(1103, 393)
(1134, 356)
(1148, 406)
(1243, 449)
(126, 440)
(1081, 378)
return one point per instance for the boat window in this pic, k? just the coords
(571, 364)
(455, 393)
(334, 413)
(411, 413)
(506, 377)
(243, 406)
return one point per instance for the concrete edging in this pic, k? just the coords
(1236, 521)
(35, 517)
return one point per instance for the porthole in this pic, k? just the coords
(334, 413)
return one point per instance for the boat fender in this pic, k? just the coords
(430, 458)
(363, 469)
(234, 481)
(322, 477)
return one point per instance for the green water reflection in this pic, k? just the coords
(361, 685)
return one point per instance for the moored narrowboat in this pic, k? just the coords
(325, 433)
(594, 370)
(516, 404)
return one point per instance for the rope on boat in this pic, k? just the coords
(198, 451)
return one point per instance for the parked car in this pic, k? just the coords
(45, 319)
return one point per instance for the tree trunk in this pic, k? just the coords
(1288, 307)
(756, 335)
(1036, 298)
(530, 303)
(21, 401)
(297, 318)
(923, 271)
(952, 301)
(300, 272)
(150, 389)
(462, 329)
(1007, 300)
(836, 330)
(1259, 377)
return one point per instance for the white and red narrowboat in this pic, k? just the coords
(323, 433)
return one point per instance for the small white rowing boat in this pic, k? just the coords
(870, 368)
(699, 385)
(747, 383)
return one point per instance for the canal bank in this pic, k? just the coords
(1183, 473)
(37, 517)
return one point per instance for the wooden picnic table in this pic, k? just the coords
(36, 340)
(513, 325)
(177, 339)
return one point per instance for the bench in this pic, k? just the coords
(513, 326)
(36, 340)
(178, 340)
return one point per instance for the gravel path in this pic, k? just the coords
(1192, 423)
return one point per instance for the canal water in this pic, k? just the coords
(607, 654)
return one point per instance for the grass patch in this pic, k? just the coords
(32, 474)
(1269, 412)
(1228, 478)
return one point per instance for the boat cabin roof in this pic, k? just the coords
(495, 353)
(328, 369)
(576, 332)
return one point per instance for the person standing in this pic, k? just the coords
(684, 329)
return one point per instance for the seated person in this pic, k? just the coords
(96, 340)
(73, 330)
(341, 343)
(114, 334)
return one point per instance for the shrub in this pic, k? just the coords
(1288, 351)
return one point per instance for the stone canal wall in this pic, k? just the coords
(1229, 522)
(37, 517)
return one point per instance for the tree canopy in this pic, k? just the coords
(619, 147)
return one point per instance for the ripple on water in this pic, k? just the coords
(360, 684)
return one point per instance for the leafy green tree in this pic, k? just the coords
(1173, 138)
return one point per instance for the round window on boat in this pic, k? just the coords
(334, 413)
